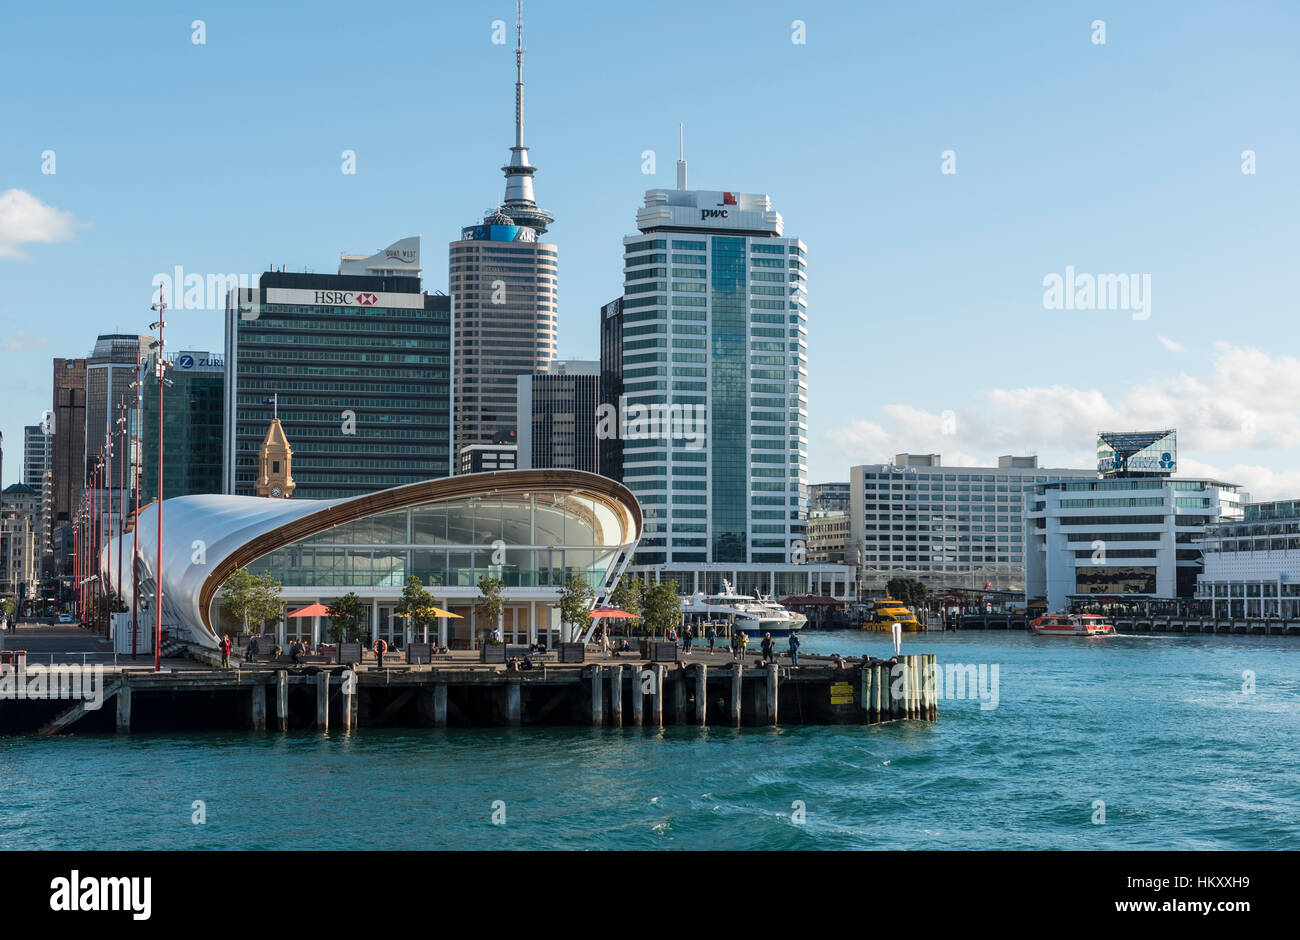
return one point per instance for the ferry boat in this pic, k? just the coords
(747, 614)
(884, 613)
(1072, 625)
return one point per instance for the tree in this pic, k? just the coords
(662, 608)
(491, 605)
(575, 604)
(8, 606)
(251, 598)
(908, 590)
(416, 603)
(346, 616)
(628, 594)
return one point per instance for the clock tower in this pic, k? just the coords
(273, 478)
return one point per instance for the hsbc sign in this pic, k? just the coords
(342, 298)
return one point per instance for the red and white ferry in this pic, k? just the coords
(1072, 625)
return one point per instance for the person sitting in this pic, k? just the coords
(526, 664)
(296, 650)
(512, 665)
(252, 650)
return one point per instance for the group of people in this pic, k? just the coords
(739, 643)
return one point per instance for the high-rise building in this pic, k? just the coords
(557, 417)
(68, 466)
(36, 455)
(503, 280)
(1133, 534)
(357, 366)
(192, 426)
(110, 370)
(951, 527)
(611, 383)
(828, 497)
(714, 411)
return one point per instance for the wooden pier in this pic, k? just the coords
(701, 689)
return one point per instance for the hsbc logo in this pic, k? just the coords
(345, 298)
(712, 214)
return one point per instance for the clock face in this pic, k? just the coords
(275, 491)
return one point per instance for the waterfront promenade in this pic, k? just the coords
(457, 689)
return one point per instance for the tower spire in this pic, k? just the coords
(681, 157)
(519, 203)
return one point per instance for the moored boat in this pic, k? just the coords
(1072, 625)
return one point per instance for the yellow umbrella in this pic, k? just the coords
(439, 612)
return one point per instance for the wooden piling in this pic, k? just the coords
(701, 694)
(322, 701)
(597, 700)
(864, 692)
(124, 708)
(657, 700)
(773, 671)
(737, 686)
(679, 696)
(282, 699)
(440, 705)
(513, 704)
(257, 707)
(616, 697)
(638, 698)
(349, 702)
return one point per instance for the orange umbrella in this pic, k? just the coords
(311, 610)
(613, 613)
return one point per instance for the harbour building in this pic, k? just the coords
(36, 454)
(449, 532)
(950, 527)
(557, 417)
(357, 367)
(713, 415)
(1252, 564)
(503, 278)
(1133, 534)
(110, 370)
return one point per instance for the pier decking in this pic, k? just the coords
(458, 691)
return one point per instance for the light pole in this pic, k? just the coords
(121, 490)
(137, 442)
(160, 373)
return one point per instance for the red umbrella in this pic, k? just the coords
(312, 610)
(613, 613)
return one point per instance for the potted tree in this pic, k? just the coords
(346, 615)
(662, 611)
(251, 598)
(575, 617)
(491, 607)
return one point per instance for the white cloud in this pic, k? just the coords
(25, 219)
(1250, 401)
(1170, 345)
(20, 341)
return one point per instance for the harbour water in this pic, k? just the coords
(1164, 730)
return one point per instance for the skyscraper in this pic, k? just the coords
(68, 468)
(714, 411)
(110, 370)
(192, 426)
(557, 417)
(611, 383)
(357, 366)
(503, 283)
(36, 455)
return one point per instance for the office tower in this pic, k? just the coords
(1135, 533)
(557, 417)
(503, 281)
(611, 383)
(36, 455)
(68, 465)
(828, 497)
(356, 366)
(192, 426)
(714, 411)
(110, 370)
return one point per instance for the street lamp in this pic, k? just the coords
(160, 374)
(137, 442)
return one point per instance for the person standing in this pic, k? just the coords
(794, 648)
(767, 647)
(735, 644)
(712, 634)
(687, 636)
(225, 651)
(380, 649)
(744, 644)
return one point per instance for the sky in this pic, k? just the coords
(1168, 154)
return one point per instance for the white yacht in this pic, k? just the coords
(750, 615)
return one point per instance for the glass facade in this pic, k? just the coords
(728, 405)
(192, 432)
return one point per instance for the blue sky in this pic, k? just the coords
(928, 329)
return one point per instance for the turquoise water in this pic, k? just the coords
(1158, 728)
